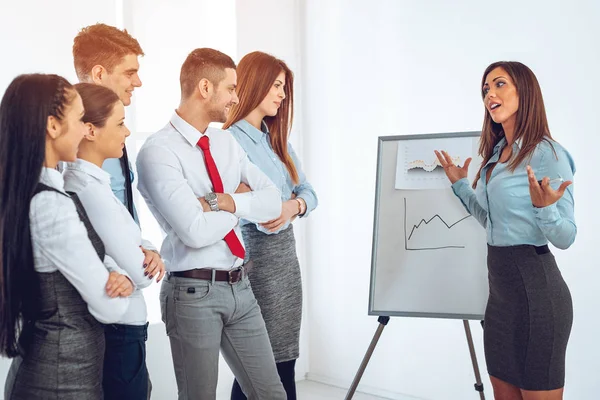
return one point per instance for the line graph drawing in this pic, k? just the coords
(430, 165)
(437, 236)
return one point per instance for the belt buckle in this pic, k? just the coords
(230, 276)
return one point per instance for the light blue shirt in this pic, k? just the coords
(117, 181)
(257, 145)
(503, 205)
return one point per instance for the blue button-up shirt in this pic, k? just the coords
(117, 181)
(503, 205)
(258, 147)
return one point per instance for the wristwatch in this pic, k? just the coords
(211, 199)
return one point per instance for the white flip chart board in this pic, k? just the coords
(429, 254)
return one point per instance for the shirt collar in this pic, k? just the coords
(251, 131)
(500, 145)
(91, 169)
(53, 178)
(519, 142)
(191, 134)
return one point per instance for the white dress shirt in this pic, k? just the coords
(172, 176)
(115, 227)
(60, 243)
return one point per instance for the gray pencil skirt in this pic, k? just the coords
(528, 318)
(276, 283)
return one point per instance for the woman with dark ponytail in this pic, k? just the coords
(54, 286)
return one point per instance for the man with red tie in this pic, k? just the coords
(195, 180)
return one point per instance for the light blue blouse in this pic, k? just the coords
(503, 205)
(258, 147)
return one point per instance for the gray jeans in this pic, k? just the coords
(202, 317)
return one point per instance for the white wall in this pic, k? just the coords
(404, 67)
(168, 32)
(42, 41)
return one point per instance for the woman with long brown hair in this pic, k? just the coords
(261, 123)
(529, 311)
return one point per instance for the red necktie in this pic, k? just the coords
(231, 238)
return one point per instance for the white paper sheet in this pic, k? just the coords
(417, 166)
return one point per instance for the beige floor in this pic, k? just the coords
(308, 390)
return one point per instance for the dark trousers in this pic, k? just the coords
(287, 374)
(125, 372)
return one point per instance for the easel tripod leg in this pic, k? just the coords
(478, 384)
(363, 365)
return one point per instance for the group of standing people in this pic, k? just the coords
(73, 261)
(73, 316)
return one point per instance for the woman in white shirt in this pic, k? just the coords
(125, 372)
(54, 285)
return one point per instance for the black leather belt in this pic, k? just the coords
(206, 274)
(542, 249)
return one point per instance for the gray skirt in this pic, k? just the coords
(276, 283)
(64, 358)
(528, 318)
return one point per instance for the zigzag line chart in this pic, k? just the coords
(433, 233)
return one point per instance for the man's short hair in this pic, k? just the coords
(104, 45)
(203, 63)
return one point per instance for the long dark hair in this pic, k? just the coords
(27, 103)
(531, 124)
(256, 73)
(124, 160)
